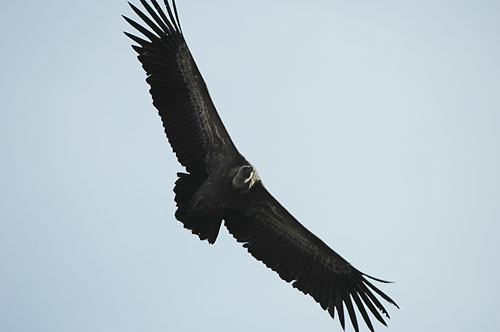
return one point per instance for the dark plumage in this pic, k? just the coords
(222, 185)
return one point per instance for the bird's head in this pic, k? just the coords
(245, 178)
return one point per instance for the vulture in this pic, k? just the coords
(221, 185)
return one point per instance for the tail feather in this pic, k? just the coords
(201, 222)
(185, 187)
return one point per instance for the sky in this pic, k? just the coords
(376, 124)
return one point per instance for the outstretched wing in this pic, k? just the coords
(272, 235)
(192, 125)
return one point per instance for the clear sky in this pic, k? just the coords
(376, 123)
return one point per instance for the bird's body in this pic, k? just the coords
(221, 185)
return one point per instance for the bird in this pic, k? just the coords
(220, 185)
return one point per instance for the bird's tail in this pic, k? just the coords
(201, 222)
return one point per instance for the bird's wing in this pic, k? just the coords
(192, 125)
(272, 235)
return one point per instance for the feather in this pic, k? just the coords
(146, 20)
(155, 17)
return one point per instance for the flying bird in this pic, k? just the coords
(220, 184)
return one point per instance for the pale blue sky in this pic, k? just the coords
(377, 124)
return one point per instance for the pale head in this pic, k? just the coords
(245, 178)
